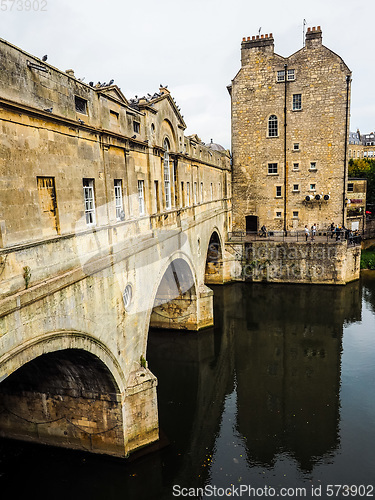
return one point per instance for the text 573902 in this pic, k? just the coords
(23, 5)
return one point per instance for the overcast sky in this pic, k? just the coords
(192, 46)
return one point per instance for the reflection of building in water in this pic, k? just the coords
(288, 344)
(195, 373)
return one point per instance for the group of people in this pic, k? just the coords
(337, 231)
(343, 232)
(340, 232)
(313, 232)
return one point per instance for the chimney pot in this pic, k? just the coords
(248, 38)
(308, 30)
(319, 29)
(253, 37)
(270, 35)
(257, 37)
(266, 35)
(314, 28)
(244, 39)
(261, 36)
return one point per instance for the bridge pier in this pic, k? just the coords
(187, 311)
(69, 399)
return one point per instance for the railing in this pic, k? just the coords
(321, 236)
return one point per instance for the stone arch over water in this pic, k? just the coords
(214, 260)
(65, 398)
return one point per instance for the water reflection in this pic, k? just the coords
(288, 347)
(275, 394)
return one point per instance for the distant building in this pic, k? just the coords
(361, 146)
(289, 135)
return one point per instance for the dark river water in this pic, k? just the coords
(277, 400)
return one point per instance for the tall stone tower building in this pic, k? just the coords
(289, 135)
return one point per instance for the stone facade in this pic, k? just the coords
(356, 204)
(100, 198)
(289, 135)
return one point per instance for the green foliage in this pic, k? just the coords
(368, 259)
(143, 362)
(27, 275)
(364, 168)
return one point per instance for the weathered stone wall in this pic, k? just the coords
(308, 154)
(63, 277)
(296, 262)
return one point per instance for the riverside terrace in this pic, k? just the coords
(321, 236)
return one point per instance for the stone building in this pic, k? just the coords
(356, 203)
(289, 135)
(361, 145)
(76, 156)
(111, 220)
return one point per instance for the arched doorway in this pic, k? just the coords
(214, 262)
(64, 398)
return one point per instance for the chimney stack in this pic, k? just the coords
(313, 37)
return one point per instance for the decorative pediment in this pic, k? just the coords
(114, 93)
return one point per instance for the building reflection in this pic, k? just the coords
(280, 348)
(288, 345)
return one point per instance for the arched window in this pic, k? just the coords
(167, 176)
(272, 126)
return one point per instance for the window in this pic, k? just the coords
(278, 215)
(113, 115)
(313, 165)
(157, 200)
(281, 76)
(187, 194)
(81, 105)
(350, 187)
(295, 187)
(141, 197)
(312, 187)
(291, 74)
(118, 200)
(272, 126)
(272, 168)
(136, 127)
(127, 296)
(195, 193)
(212, 191)
(278, 191)
(295, 214)
(48, 204)
(297, 102)
(89, 197)
(201, 192)
(296, 146)
(295, 166)
(182, 194)
(167, 178)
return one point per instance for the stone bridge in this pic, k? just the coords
(72, 347)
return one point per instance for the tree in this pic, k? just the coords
(364, 168)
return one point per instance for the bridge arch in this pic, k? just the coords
(174, 296)
(214, 259)
(65, 397)
(56, 341)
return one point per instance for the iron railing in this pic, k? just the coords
(321, 236)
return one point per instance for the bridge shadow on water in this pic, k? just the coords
(267, 377)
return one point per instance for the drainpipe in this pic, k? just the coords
(285, 165)
(346, 148)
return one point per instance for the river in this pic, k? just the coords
(277, 399)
